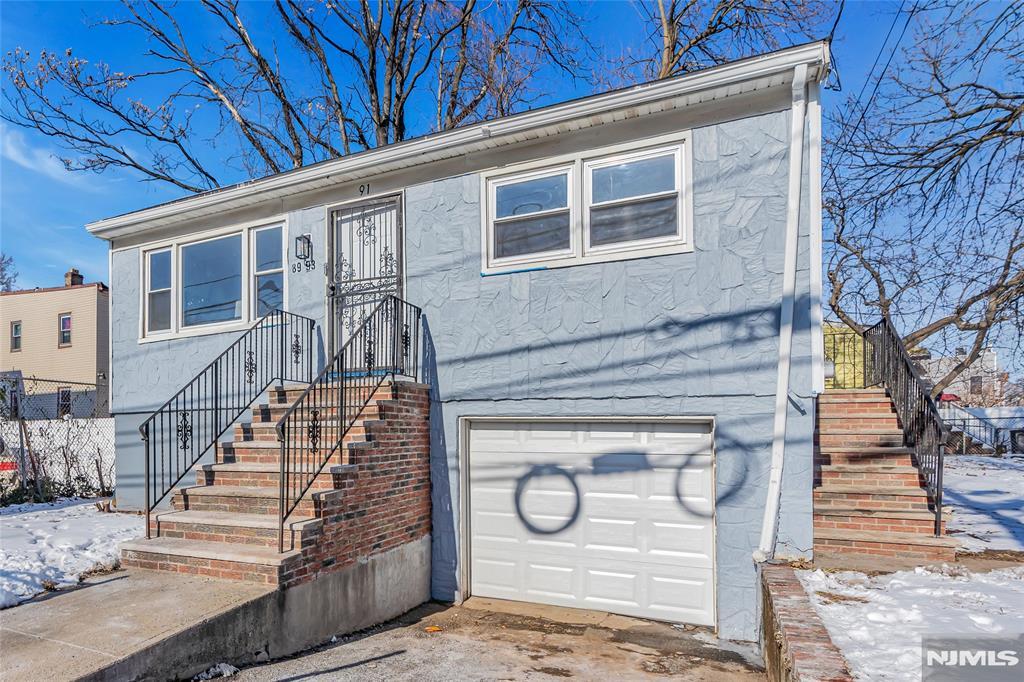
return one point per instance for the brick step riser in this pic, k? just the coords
(848, 423)
(875, 524)
(887, 480)
(858, 440)
(256, 480)
(214, 568)
(891, 549)
(877, 406)
(273, 414)
(256, 537)
(268, 506)
(272, 456)
(827, 499)
(867, 459)
(269, 435)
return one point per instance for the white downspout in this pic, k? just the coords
(769, 526)
(817, 255)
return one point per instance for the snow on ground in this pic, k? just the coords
(53, 544)
(987, 497)
(877, 622)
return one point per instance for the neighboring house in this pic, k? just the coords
(607, 288)
(981, 384)
(60, 335)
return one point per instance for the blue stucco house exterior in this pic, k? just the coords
(621, 315)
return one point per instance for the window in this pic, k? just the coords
(977, 386)
(532, 215)
(15, 336)
(208, 284)
(64, 329)
(211, 281)
(268, 270)
(599, 206)
(63, 402)
(158, 292)
(633, 199)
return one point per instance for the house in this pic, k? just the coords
(614, 304)
(982, 383)
(60, 336)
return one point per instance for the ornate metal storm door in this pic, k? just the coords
(366, 251)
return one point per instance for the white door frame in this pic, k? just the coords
(465, 424)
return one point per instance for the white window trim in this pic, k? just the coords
(590, 165)
(16, 323)
(579, 195)
(175, 245)
(146, 291)
(256, 272)
(492, 205)
(60, 330)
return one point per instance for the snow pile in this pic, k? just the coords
(219, 670)
(48, 546)
(877, 622)
(987, 497)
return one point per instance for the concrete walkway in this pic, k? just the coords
(70, 634)
(488, 639)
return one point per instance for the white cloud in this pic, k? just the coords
(15, 148)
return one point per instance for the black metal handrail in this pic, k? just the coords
(888, 363)
(313, 428)
(278, 347)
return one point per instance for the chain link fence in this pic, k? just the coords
(56, 439)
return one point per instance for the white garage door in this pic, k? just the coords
(598, 515)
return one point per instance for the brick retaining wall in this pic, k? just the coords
(794, 642)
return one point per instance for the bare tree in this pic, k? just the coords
(693, 34)
(8, 275)
(370, 62)
(925, 195)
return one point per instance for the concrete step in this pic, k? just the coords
(877, 543)
(875, 497)
(214, 559)
(859, 437)
(875, 454)
(235, 528)
(883, 475)
(267, 431)
(845, 421)
(863, 517)
(269, 452)
(844, 394)
(236, 499)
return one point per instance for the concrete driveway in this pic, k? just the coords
(494, 640)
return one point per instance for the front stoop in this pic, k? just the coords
(869, 495)
(372, 497)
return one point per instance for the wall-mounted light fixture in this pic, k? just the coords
(304, 246)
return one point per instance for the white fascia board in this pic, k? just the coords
(411, 152)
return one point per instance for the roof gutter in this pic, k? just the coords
(411, 152)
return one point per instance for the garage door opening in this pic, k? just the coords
(610, 515)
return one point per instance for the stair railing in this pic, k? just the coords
(888, 363)
(314, 427)
(278, 347)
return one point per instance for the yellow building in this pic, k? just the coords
(59, 334)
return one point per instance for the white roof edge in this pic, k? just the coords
(410, 152)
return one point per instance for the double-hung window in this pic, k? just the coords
(268, 270)
(63, 401)
(532, 216)
(596, 206)
(633, 200)
(64, 330)
(213, 283)
(158, 291)
(15, 336)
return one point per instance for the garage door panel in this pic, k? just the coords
(616, 516)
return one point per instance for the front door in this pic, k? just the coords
(366, 267)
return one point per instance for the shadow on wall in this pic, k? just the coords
(716, 349)
(443, 535)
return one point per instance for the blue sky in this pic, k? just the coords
(43, 208)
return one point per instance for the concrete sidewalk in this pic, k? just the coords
(109, 618)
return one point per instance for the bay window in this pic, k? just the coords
(597, 206)
(213, 283)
